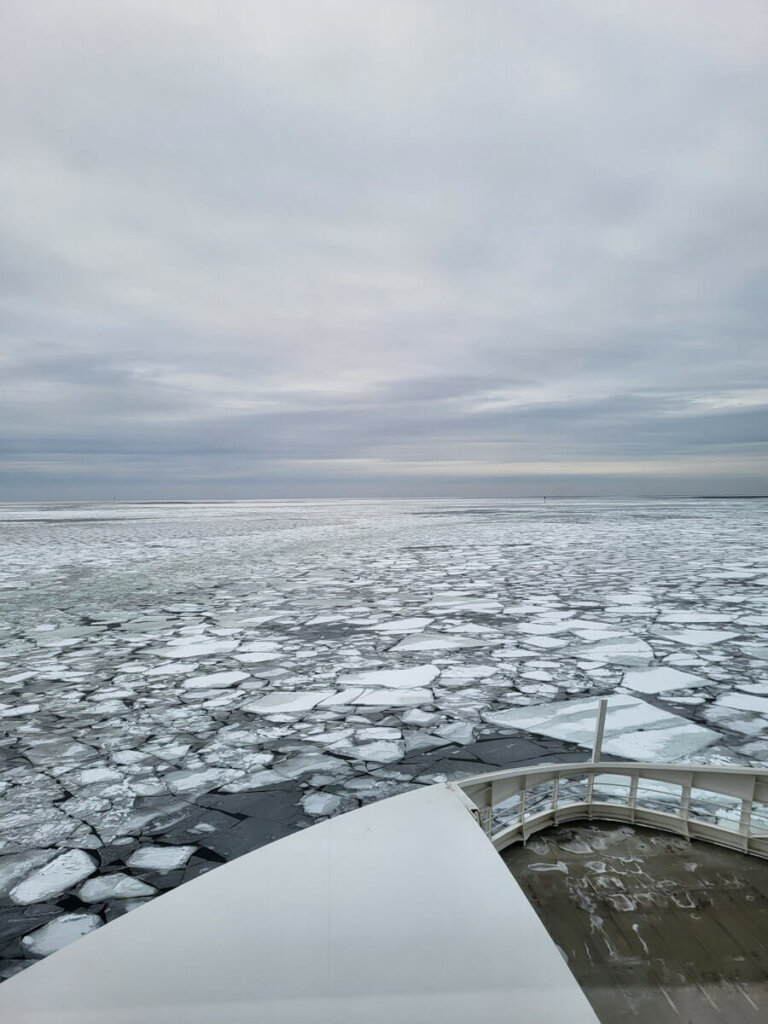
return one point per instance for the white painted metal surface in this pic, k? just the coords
(400, 912)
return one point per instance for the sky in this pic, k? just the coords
(383, 248)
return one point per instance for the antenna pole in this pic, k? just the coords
(599, 729)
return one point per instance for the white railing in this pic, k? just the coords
(727, 806)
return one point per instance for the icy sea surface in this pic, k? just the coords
(181, 683)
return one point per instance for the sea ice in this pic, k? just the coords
(214, 681)
(417, 717)
(661, 680)
(457, 732)
(756, 651)
(117, 886)
(160, 858)
(294, 767)
(386, 698)
(437, 642)
(400, 679)
(16, 866)
(54, 878)
(546, 643)
(628, 726)
(20, 710)
(382, 751)
(199, 780)
(744, 702)
(319, 804)
(59, 933)
(172, 668)
(396, 626)
(700, 637)
(257, 657)
(694, 617)
(288, 701)
(185, 649)
(543, 629)
(630, 651)
(256, 780)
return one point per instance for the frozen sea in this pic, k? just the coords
(183, 682)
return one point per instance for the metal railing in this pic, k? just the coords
(727, 806)
(722, 805)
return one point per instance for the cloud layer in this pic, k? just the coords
(330, 248)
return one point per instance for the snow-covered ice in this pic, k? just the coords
(59, 933)
(400, 679)
(745, 702)
(55, 877)
(114, 886)
(160, 858)
(662, 680)
(214, 680)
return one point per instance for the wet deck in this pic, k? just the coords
(654, 928)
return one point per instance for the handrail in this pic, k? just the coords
(723, 805)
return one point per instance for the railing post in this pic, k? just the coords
(599, 729)
(745, 821)
(555, 788)
(685, 805)
(522, 805)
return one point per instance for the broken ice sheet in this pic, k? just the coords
(628, 727)
(214, 680)
(437, 642)
(114, 886)
(396, 626)
(288, 701)
(627, 651)
(320, 804)
(389, 698)
(700, 637)
(185, 649)
(404, 678)
(160, 858)
(744, 702)
(59, 933)
(662, 680)
(54, 878)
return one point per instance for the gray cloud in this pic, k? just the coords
(396, 248)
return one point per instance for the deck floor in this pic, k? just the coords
(654, 928)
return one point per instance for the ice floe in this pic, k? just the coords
(396, 626)
(59, 933)
(661, 680)
(114, 886)
(400, 679)
(634, 728)
(291, 702)
(54, 878)
(214, 680)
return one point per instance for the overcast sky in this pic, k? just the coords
(383, 247)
